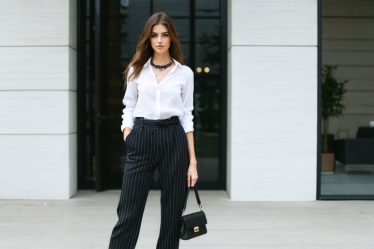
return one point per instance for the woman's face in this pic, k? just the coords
(160, 39)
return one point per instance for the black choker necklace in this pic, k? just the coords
(161, 67)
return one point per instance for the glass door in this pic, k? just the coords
(346, 51)
(202, 28)
(200, 25)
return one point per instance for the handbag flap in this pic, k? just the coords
(194, 219)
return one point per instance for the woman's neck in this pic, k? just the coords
(161, 59)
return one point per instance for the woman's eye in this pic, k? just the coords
(153, 35)
(165, 35)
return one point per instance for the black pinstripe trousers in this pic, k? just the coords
(150, 144)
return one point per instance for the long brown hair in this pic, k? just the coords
(144, 48)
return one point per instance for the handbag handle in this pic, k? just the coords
(197, 198)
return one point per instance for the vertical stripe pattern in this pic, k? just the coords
(152, 143)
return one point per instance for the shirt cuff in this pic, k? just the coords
(187, 122)
(127, 121)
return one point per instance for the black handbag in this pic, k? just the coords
(193, 224)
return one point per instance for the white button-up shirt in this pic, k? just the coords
(173, 96)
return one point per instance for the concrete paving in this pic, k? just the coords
(86, 221)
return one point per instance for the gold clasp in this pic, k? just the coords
(196, 229)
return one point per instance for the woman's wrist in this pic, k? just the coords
(193, 162)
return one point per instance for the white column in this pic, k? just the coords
(38, 99)
(272, 100)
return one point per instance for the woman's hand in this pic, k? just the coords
(192, 174)
(126, 132)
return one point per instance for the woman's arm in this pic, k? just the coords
(192, 168)
(187, 123)
(129, 100)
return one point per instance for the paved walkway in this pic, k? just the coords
(86, 222)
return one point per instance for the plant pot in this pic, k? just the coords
(328, 162)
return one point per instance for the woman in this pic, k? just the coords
(158, 130)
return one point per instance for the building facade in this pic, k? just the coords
(257, 105)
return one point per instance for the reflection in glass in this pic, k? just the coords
(208, 89)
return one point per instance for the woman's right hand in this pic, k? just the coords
(126, 132)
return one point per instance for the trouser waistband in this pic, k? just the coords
(157, 122)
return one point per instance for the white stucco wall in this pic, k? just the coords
(38, 99)
(272, 100)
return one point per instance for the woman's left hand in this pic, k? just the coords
(192, 175)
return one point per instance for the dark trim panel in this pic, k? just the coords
(347, 197)
(319, 96)
(81, 104)
(85, 51)
(223, 149)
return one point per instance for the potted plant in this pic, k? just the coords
(332, 96)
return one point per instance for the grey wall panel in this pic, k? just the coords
(350, 58)
(34, 68)
(359, 85)
(349, 44)
(359, 98)
(355, 74)
(274, 22)
(73, 23)
(72, 69)
(34, 23)
(360, 110)
(73, 166)
(350, 8)
(34, 167)
(348, 28)
(72, 111)
(273, 112)
(35, 112)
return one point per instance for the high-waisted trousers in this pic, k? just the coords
(152, 143)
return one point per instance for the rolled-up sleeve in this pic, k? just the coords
(187, 100)
(129, 101)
